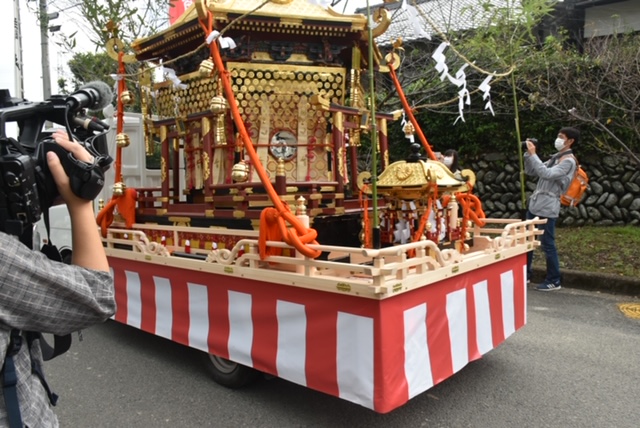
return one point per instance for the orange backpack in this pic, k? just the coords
(576, 188)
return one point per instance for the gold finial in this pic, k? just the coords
(280, 168)
(301, 206)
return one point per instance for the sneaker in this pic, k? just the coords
(548, 286)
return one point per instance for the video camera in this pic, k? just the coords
(27, 188)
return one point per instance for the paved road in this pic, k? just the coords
(575, 364)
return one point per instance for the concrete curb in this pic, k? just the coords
(593, 281)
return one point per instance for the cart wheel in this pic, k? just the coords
(227, 373)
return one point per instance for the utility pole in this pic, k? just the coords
(45, 18)
(44, 50)
(18, 64)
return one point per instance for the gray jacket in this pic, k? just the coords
(554, 179)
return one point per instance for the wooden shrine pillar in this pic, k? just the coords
(339, 155)
(175, 167)
(207, 162)
(353, 155)
(383, 143)
(164, 165)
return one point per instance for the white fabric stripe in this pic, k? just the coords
(458, 328)
(198, 317)
(484, 335)
(164, 311)
(240, 328)
(417, 362)
(134, 303)
(355, 358)
(508, 303)
(524, 287)
(291, 353)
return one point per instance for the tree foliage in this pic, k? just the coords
(134, 18)
(556, 82)
(497, 46)
(87, 66)
(98, 21)
(598, 88)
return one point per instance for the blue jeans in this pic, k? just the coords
(548, 245)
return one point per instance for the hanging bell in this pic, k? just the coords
(122, 140)
(126, 97)
(240, 172)
(408, 130)
(218, 105)
(206, 67)
(119, 188)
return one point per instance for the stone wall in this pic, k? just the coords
(613, 196)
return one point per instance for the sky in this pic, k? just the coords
(31, 46)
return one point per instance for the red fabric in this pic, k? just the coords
(126, 207)
(391, 348)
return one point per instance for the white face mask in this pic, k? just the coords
(559, 144)
(448, 161)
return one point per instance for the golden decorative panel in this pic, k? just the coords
(174, 102)
(285, 88)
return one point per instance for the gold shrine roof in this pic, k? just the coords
(302, 9)
(294, 17)
(413, 180)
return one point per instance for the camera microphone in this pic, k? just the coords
(90, 123)
(94, 95)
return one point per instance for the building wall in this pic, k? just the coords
(614, 18)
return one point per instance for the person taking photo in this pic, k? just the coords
(554, 177)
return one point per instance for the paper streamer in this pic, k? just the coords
(414, 21)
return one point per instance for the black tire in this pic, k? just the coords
(229, 374)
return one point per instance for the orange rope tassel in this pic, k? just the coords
(126, 205)
(269, 231)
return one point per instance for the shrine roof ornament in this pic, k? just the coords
(290, 17)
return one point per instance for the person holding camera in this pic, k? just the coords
(554, 177)
(41, 295)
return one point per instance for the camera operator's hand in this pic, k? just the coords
(531, 148)
(61, 137)
(57, 171)
(87, 246)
